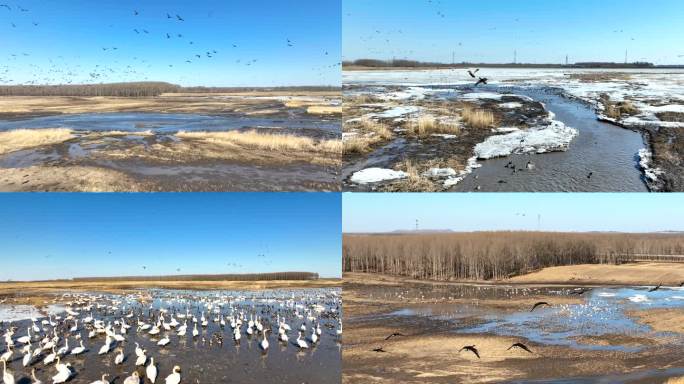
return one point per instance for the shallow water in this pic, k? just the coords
(166, 122)
(203, 359)
(601, 313)
(607, 151)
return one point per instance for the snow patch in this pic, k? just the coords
(645, 159)
(554, 137)
(376, 175)
(470, 166)
(482, 95)
(511, 105)
(439, 173)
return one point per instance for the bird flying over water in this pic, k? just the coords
(470, 348)
(521, 346)
(655, 288)
(472, 73)
(482, 80)
(539, 304)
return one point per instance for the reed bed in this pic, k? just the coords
(495, 255)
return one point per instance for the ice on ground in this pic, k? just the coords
(554, 137)
(439, 173)
(482, 95)
(645, 160)
(511, 105)
(638, 298)
(470, 166)
(397, 112)
(349, 135)
(376, 175)
(444, 135)
(18, 312)
(505, 129)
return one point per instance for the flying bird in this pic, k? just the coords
(482, 80)
(179, 18)
(538, 304)
(470, 348)
(379, 349)
(472, 73)
(521, 346)
(393, 335)
(655, 288)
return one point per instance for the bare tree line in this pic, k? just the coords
(495, 255)
(136, 89)
(223, 277)
(113, 89)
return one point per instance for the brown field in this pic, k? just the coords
(495, 255)
(27, 292)
(250, 103)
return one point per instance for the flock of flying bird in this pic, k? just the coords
(473, 349)
(63, 70)
(58, 341)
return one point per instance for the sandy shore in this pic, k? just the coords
(667, 274)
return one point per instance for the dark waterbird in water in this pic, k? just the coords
(379, 349)
(539, 304)
(393, 335)
(655, 288)
(470, 348)
(521, 346)
(590, 175)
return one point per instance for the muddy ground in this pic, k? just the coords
(428, 351)
(161, 161)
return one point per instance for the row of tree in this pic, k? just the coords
(112, 89)
(137, 89)
(495, 255)
(222, 277)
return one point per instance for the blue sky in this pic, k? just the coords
(623, 212)
(542, 31)
(67, 44)
(53, 235)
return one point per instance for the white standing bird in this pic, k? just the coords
(264, 342)
(174, 377)
(35, 379)
(78, 350)
(151, 371)
(163, 342)
(103, 380)
(141, 360)
(119, 357)
(63, 373)
(133, 379)
(7, 376)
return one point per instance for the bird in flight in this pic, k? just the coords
(393, 335)
(179, 18)
(539, 304)
(472, 73)
(379, 349)
(470, 348)
(521, 346)
(6, 6)
(482, 80)
(655, 288)
(135, 13)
